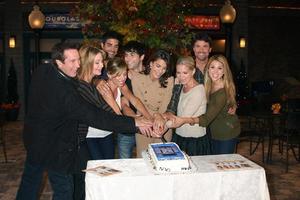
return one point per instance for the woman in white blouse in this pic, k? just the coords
(192, 103)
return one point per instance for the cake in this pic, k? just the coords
(167, 157)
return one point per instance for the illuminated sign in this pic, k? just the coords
(61, 21)
(203, 22)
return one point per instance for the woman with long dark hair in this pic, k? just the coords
(154, 88)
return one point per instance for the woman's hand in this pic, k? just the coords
(103, 88)
(158, 123)
(105, 91)
(232, 110)
(168, 115)
(144, 125)
(176, 121)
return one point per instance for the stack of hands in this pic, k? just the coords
(158, 125)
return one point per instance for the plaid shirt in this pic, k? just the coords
(172, 107)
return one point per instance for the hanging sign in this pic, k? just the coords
(203, 22)
(61, 21)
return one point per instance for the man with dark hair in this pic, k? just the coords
(50, 127)
(201, 49)
(134, 54)
(111, 42)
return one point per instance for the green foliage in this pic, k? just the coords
(157, 23)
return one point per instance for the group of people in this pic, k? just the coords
(97, 93)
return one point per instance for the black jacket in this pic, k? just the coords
(54, 110)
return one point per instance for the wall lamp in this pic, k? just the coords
(227, 16)
(12, 41)
(242, 42)
(227, 13)
(36, 21)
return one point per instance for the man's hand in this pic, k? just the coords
(147, 131)
(143, 124)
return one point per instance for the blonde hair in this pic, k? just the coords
(187, 61)
(227, 80)
(116, 66)
(87, 57)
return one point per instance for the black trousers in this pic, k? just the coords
(79, 176)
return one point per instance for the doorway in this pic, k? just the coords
(47, 41)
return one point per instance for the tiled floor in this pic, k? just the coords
(282, 186)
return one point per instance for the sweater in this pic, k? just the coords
(192, 104)
(223, 126)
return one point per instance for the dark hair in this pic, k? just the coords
(203, 37)
(59, 49)
(165, 56)
(136, 47)
(112, 35)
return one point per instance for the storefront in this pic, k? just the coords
(37, 46)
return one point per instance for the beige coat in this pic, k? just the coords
(156, 100)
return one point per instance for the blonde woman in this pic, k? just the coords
(192, 102)
(117, 76)
(220, 93)
(101, 142)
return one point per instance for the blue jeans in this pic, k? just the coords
(223, 146)
(101, 148)
(126, 143)
(62, 184)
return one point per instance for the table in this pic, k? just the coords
(139, 182)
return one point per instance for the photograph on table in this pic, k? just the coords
(103, 170)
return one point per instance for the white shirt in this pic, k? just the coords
(98, 133)
(192, 104)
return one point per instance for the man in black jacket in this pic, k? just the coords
(50, 127)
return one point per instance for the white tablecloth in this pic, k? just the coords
(138, 182)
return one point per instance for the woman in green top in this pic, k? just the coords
(220, 93)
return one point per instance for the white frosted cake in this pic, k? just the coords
(167, 157)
